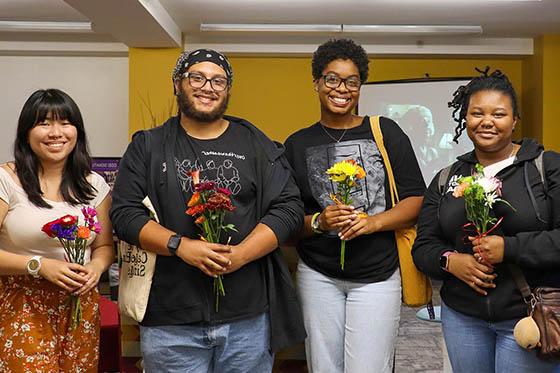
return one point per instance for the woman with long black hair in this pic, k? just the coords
(50, 177)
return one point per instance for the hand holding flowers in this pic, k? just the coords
(208, 205)
(480, 194)
(345, 174)
(74, 238)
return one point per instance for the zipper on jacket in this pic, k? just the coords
(489, 308)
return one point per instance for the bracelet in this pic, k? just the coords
(315, 223)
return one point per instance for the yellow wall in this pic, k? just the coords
(151, 99)
(551, 91)
(532, 113)
(276, 93)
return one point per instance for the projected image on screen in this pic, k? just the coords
(420, 109)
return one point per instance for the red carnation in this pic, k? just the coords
(47, 228)
(225, 191)
(67, 220)
(207, 185)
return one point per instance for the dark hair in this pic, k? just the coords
(497, 81)
(74, 187)
(339, 49)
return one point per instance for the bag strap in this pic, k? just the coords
(378, 137)
(540, 167)
(520, 281)
(442, 179)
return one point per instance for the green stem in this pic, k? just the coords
(342, 253)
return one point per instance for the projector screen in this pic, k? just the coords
(420, 109)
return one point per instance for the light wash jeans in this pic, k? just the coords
(476, 345)
(351, 327)
(240, 346)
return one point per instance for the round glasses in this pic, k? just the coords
(333, 81)
(197, 80)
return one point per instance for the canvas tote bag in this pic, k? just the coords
(137, 270)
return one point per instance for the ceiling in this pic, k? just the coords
(163, 23)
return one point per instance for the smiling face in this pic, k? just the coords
(52, 140)
(339, 100)
(490, 120)
(203, 104)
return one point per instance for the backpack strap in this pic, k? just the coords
(444, 174)
(538, 162)
(540, 167)
(443, 178)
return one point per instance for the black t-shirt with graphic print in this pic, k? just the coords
(228, 161)
(311, 151)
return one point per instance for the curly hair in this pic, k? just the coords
(336, 49)
(496, 81)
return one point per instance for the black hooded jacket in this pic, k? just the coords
(143, 172)
(531, 233)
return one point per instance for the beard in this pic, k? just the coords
(188, 109)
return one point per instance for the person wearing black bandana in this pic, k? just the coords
(259, 314)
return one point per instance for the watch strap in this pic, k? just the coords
(34, 271)
(446, 255)
(315, 223)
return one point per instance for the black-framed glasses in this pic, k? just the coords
(197, 80)
(333, 81)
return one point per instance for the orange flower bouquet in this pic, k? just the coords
(345, 174)
(208, 205)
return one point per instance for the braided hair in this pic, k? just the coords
(496, 81)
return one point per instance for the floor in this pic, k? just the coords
(419, 346)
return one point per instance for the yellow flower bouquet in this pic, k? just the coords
(345, 174)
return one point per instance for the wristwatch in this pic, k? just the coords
(34, 266)
(315, 223)
(173, 243)
(444, 260)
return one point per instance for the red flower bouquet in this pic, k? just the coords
(74, 240)
(208, 205)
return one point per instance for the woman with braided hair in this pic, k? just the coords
(480, 301)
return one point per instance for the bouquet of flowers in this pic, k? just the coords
(208, 205)
(74, 239)
(344, 174)
(480, 193)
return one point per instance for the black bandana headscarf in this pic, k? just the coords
(187, 59)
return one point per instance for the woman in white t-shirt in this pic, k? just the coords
(50, 177)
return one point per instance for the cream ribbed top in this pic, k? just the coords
(21, 233)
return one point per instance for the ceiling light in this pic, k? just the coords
(412, 29)
(263, 27)
(40, 26)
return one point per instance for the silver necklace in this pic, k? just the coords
(331, 136)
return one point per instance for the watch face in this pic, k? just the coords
(443, 261)
(315, 223)
(173, 243)
(33, 264)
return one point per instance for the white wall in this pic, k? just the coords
(99, 85)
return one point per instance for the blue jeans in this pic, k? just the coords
(476, 345)
(239, 346)
(351, 327)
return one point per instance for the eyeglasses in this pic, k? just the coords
(333, 81)
(197, 80)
